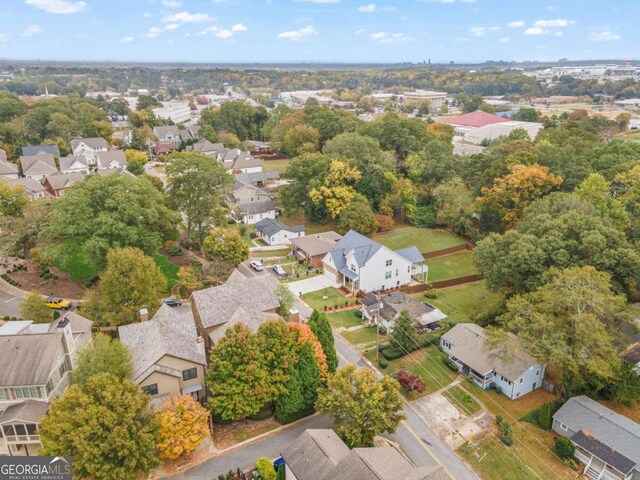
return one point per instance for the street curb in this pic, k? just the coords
(7, 287)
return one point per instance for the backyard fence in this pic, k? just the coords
(448, 251)
(423, 287)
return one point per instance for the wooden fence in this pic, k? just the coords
(448, 251)
(423, 287)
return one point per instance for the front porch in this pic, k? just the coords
(597, 469)
(20, 439)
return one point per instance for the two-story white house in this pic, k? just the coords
(73, 164)
(36, 360)
(359, 263)
(89, 148)
(511, 370)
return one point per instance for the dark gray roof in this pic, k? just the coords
(95, 143)
(217, 305)
(322, 455)
(603, 452)
(412, 254)
(29, 411)
(613, 430)
(38, 165)
(271, 226)
(256, 177)
(254, 208)
(395, 302)
(28, 359)
(29, 150)
(171, 331)
(468, 345)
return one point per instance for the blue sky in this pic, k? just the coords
(318, 30)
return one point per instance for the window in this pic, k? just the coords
(537, 372)
(387, 274)
(62, 369)
(352, 267)
(3, 394)
(151, 389)
(397, 271)
(521, 380)
(20, 430)
(388, 263)
(49, 386)
(190, 373)
(563, 426)
(26, 392)
(409, 269)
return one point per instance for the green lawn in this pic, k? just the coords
(427, 240)
(316, 301)
(363, 337)
(276, 165)
(451, 266)
(280, 252)
(69, 257)
(345, 319)
(169, 269)
(464, 301)
(462, 400)
(298, 218)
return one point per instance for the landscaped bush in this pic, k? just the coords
(564, 447)
(6, 318)
(383, 362)
(358, 313)
(543, 416)
(410, 382)
(264, 413)
(431, 294)
(571, 463)
(391, 353)
(265, 469)
(218, 420)
(504, 429)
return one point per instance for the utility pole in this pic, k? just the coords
(379, 305)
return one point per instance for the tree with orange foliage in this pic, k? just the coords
(506, 200)
(305, 335)
(183, 427)
(442, 131)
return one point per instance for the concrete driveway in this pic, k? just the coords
(312, 284)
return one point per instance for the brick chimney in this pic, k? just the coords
(144, 314)
(294, 315)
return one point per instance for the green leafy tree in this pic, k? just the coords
(264, 466)
(287, 300)
(195, 184)
(130, 281)
(290, 405)
(321, 328)
(310, 377)
(12, 200)
(361, 405)
(572, 321)
(103, 355)
(226, 245)
(301, 139)
(358, 216)
(136, 161)
(237, 375)
(108, 427)
(597, 190)
(278, 346)
(404, 332)
(306, 172)
(112, 211)
(365, 151)
(33, 307)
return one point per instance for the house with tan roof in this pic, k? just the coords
(384, 310)
(313, 248)
(33, 189)
(74, 164)
(250, 301)
(111, 160)
(8, 170)
(89, 148)
(57, 184)
(38, 167)
(510, 370)
(168, 354)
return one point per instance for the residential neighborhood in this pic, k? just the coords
(230, 250)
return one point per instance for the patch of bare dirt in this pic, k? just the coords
(63, 287)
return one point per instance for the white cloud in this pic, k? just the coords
(557, 22)
(477, 31)
(172, 26)
(171, 3)
(604, 36)
(378, 35)
(186, 17)
(494, 29)
(239, 27)
(516, 24)
(319, 1)
(58, 6)
(32, 30)
(224, 33)
(370, 8)
(386, 38)
(154, 32)
(360, 31)
(146, 15)
(127, 39)
(505, 39)
(300, 35)
(534, 31)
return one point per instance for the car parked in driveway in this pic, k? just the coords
(172, 302)
(256, 265)
(279, 271)
(56, 303)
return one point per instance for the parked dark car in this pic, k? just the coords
(172, 302)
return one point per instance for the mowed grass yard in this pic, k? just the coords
(317, 301)
(455, 265)
(279, 166)
(427, 240)
(344, 319)
(462, 302)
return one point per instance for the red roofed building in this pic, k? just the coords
(464, 123)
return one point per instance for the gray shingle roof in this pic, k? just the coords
(468, 345)
(77, 161)
(363, 249)
(613, 430)
(105, 160)
(29, 411)
(38, 165)
(318, 244)
(29, 150)
(7, 168)
(395, 302)
(412, 254)
(28, 359)
(29, 184)
(251, 319)
(3, 155)
(255, 177)
(322, 455)
(271, 226)
(254, 208)
(246, 161)
(205, 146)
(61, 181)
(603, 452)
(217, 305)
(95, 143)
(171, 331)
(77, 322)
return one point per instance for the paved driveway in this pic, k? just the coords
(312, 284)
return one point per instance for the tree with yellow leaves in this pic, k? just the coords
(183, 427)
(337, 189)
(504, 202)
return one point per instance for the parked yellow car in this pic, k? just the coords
(57, 303)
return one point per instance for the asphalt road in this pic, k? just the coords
(9, 304)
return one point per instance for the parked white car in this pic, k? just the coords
(256, 265)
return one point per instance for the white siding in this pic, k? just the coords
(372, 275)
(252, 219)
